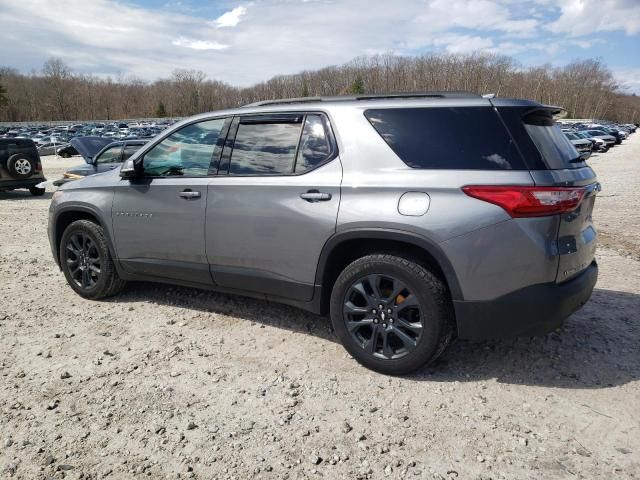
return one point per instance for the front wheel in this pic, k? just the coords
(391, 314)
(86, 261)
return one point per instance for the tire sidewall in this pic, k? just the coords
(93, 231)
(432, 308)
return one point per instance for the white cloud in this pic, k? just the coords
(585, 17)
(230, 19)
(463, 43)
(283, 36)
(628, 78)
(198, 44)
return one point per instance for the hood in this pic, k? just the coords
(110, 178)
(89, 146)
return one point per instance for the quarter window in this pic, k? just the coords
(188, 151)
(315, 145)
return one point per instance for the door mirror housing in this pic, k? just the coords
(130, 169)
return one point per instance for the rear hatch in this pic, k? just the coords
(554, 162)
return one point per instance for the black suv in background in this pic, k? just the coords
(20, 165)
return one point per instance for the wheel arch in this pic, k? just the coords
(344, 247)
(68, 215)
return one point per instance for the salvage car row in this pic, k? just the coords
(56, 140)
(596, 137)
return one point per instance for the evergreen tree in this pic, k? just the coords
(161, 111)
(3, 96)
(357, 87)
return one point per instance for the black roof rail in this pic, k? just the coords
(377, 96)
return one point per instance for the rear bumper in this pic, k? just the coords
(26, 183)
(533, 310)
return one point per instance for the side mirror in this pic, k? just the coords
(130, 169)
(89, 160)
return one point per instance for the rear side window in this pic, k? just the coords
(554, 147)
(469, 138)
(542, 143)
(265, 148)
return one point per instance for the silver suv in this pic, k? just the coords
(410, 219)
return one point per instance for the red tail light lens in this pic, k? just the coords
(38, 167)
(529, 201)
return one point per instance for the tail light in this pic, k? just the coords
(38, 167)
(522, 202)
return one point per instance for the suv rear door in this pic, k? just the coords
(554, 161)
(274, 203)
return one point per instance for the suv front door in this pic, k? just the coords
(274, 204)
(159, 218)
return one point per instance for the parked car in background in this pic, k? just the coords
(599, 145)
(610, 140)
(100, 155)
(582, 145)
(333, 205)
(20, 166)
(67, 151)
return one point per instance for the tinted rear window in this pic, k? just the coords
(470, 138)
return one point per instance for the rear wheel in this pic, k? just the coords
(86, 261)
(36, 191)
(391, 313)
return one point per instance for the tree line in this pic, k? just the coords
(586, 88)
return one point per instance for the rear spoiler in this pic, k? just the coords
(555, 111)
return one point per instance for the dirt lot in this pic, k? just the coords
(165, 382)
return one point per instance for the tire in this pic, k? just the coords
(83, 248)
(37, 191)
(65, 155)
(409, 347)
(20, 166)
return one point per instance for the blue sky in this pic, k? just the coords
(246, 42)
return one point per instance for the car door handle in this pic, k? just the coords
(315, 196)
(189, 194)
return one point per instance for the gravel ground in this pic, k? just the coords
(167, 382)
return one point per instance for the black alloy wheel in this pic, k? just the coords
(83, 260)
(391, 313)
(383, 316)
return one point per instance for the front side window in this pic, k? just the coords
(188, 151)
(265, 148)
(110, 155)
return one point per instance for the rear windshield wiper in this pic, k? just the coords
(577, 160)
